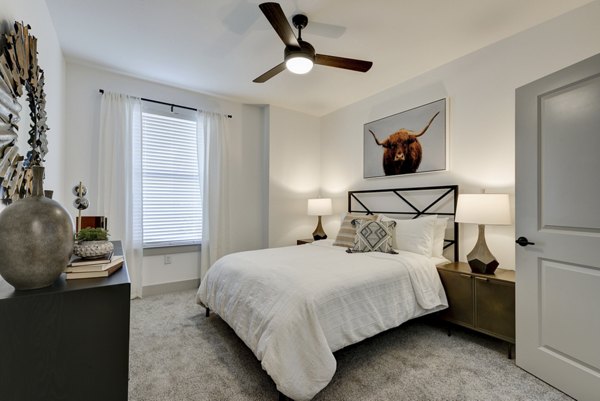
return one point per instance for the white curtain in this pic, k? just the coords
(212, 137)
(120, 178)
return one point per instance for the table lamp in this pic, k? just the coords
(319, 207)
(483, 209)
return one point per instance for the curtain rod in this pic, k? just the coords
(168, 104)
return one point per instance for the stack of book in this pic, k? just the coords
(92, 268)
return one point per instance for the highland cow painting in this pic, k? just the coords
(412, 141)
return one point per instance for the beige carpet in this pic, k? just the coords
(177, 355)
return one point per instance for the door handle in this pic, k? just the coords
(523, 241)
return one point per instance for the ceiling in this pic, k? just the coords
(219, 46)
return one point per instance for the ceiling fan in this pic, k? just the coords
(299, 56)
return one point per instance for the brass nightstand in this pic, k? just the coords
(482, 302)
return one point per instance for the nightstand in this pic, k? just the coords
(304, 241)
(481, 302)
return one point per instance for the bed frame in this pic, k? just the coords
(414, 202)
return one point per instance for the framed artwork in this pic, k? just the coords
(409, 142)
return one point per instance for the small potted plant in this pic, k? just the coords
(92, 243)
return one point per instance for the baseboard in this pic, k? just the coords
(165, 288)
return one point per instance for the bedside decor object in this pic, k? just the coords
(92, 243)
(319, 207)
(80, 202)
(20, 75)
(36, 234)
(94, 271)
(483, 209)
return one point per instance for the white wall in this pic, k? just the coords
(50, 57)
(481, 89)
(247, 152)
(294, 164)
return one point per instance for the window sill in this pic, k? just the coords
(169, 250)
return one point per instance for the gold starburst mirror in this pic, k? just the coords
(20, 75)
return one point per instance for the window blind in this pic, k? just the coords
(172, 197)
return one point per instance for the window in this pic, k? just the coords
(171, 178)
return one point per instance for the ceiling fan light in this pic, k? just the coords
(299, 64)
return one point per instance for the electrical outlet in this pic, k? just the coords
(167, 259)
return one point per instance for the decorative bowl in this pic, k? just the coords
(92, 249)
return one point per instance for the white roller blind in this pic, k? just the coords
(172, 198)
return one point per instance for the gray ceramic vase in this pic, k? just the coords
(36, 239)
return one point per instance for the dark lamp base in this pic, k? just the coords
(319, 233)
(477, 266)
(480, 258)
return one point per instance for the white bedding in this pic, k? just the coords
(294, 306)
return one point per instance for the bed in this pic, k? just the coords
(294, 306)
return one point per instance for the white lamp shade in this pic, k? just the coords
(299, 64)
(483, 209)
(319, 207)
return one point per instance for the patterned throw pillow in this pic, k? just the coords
(347, 231)
(372, 236)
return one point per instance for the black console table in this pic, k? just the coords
(67, 342)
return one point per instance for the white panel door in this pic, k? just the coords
(558, 210)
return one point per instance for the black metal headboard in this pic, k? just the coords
(440, 200)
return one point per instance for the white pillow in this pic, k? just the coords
(414, 235)
(439, 232)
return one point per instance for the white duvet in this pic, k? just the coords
(295, 306)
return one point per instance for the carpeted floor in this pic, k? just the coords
(177, 355)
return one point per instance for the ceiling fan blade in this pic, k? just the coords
(277, 18)
(342, 62)
(270, 74)
(326, 30)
